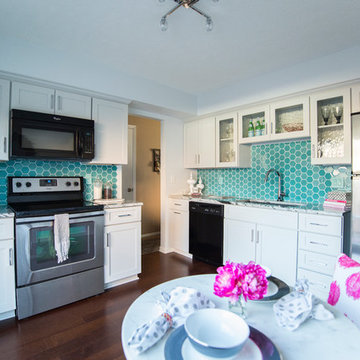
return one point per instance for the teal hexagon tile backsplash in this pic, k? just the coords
(57, 168)
(302, 181)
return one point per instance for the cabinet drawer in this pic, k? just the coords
(322, 224)
(6, 229)
(178, 204)
(319, 283)
(325, 244)
(122, 215)
(324, 264)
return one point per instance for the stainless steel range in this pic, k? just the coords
(42, 282)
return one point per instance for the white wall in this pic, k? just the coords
(28, 59)
(335, 68)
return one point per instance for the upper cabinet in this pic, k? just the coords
(46, 100)
(199, 143)
(331, 127)
(111, 132)
(228, 153)
(4, 119)
(254, 125)
(282, 120)
(355, 98)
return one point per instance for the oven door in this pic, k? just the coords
(35, 253)
(44, 140)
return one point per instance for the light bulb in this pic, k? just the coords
(163, 24)
(209, 24)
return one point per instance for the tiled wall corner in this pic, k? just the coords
(57, 168)
(302, 181)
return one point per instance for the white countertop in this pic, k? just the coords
(305, 208)
(333, 339)
(117, 203)
(6, 212)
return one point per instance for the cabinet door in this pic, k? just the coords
(355, 98)
(179, 230)
(277, 249)
(206, 138)
(290, 119)
(111, 132)
(32, 98)
(239, 241)
(122, 251)
(191, 146)
(246, 133)
(7, 276)
(331, 132)
(4, 119)
(226, 140)
(69, 104)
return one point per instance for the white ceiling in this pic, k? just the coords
(250, 37)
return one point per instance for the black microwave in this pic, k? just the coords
(47, 136)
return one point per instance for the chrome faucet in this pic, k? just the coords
(280, 194)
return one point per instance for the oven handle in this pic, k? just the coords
(72, 217)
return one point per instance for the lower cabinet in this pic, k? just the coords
(269, 245)
(7, 269)
(122, 246)
(179, 226)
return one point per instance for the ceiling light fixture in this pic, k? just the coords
(188, 4)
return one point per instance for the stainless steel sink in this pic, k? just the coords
(270, 202)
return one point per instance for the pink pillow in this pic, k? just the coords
(345, 288)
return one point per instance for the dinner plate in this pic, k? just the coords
(258, 347)
(276, 289)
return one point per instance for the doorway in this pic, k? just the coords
(147, 178)
(129, 170)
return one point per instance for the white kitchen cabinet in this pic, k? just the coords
(228, 152)
(47, 100)
(7, 269)
(355, 98)
(331, 136)
(4, 119)
(266, 236)
(111, 132)
(179, 226)
(199, 143)
(321, 239)
(122, 238)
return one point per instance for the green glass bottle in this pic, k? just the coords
(258, 128)
(251, 129)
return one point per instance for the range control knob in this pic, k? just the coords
(28, 184)
(76, 183)
(18, 184)
(68, 183)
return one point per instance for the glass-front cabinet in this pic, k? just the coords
(290, 118)
(4, 119)
(331, 127)
(254, 124)
(226, 140)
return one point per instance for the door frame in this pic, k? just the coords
(133, 127)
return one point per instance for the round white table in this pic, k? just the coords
(334, 339)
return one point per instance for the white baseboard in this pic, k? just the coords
(170, 250)
(120, 282)
(165, 250)
(7, 315)
(150, 234)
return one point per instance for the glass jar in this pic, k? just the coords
(97, 189)
(108, 190)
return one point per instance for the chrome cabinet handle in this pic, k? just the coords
(266, 129)
(317, 224)
(257, 236)
(318, 243)
(52, 101)
(11, 257)
(5, 144)
(252, 235)
(313, 150)
(59, 102)
(177, 204)
(124, 215)
(176, 212)
(198, 159)
(195, 158)
(108, 240)
(271, 128)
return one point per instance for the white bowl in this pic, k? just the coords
(216, 332)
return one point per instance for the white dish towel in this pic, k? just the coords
(62, 236)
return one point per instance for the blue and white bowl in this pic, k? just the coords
(216, 332)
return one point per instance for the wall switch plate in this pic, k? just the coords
(220, 180)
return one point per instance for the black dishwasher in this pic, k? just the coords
(206, 232)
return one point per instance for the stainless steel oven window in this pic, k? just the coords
(42, 249)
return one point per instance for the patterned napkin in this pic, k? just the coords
(293, 309)
(176, 307)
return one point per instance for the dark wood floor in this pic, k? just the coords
(90, 329)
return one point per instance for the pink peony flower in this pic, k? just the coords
(353, 286)
(347, 262)
(234, 280)
(334, 293)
